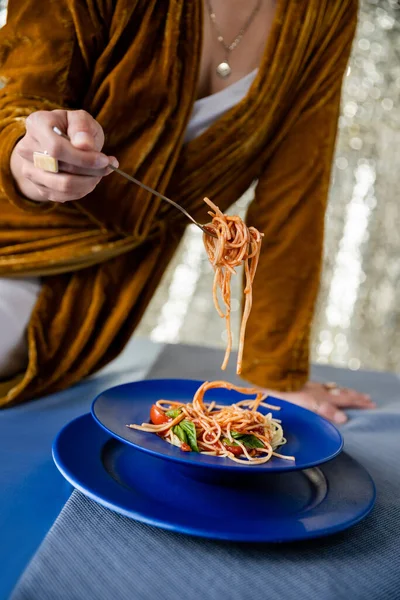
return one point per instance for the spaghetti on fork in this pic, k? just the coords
(235, 244)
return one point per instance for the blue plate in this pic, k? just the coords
(284, 506)
(310, 438)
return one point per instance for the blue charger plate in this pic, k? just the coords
(311, 439)
(276, 507)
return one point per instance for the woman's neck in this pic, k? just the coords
(230, 17)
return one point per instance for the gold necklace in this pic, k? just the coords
(224, 68)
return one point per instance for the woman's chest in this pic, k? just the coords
(242, 24)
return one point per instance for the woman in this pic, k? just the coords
(196, 99)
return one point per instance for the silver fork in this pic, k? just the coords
(204, 228)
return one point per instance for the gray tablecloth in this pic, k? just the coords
(93, 554)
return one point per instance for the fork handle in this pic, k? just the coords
(148, 189)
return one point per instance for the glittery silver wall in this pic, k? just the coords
(357, 323)
(3, 12)
(358, 318)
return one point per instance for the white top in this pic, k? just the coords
(18, 296)
(207, 110)
(17, 300)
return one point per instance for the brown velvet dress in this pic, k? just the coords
(102, 258)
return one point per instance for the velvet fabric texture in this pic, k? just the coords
(134, 65)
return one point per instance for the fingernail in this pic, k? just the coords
(369, 402)
(81, 138)
(114, 162)
(340, 418)
(102, 161)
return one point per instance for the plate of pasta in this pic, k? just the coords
(271, 507)
(216, 425)
(181, 454)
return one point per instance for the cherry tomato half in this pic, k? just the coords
(157, 416)
(236, 450)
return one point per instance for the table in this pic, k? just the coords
(33, 492)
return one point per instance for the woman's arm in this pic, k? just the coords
(289, 208)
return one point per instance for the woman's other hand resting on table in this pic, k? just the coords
(328, 400)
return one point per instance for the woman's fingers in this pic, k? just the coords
(350, 399)
(84, 132)
(39, 126)
(81, 164)
(27, 147)
(73, 170)
(327, 400)
(339, 396)
(60, 187)
(329, 411)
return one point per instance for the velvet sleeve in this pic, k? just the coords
(44, 65)
(289, 208)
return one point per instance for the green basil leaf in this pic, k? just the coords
(236, 435)
(251, 441)
(180, 433)
(190, 431)
(248, 440)
(173, 413)
(227, 442)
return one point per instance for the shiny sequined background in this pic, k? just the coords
(358, 317)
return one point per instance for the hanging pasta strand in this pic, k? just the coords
(235, 244)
